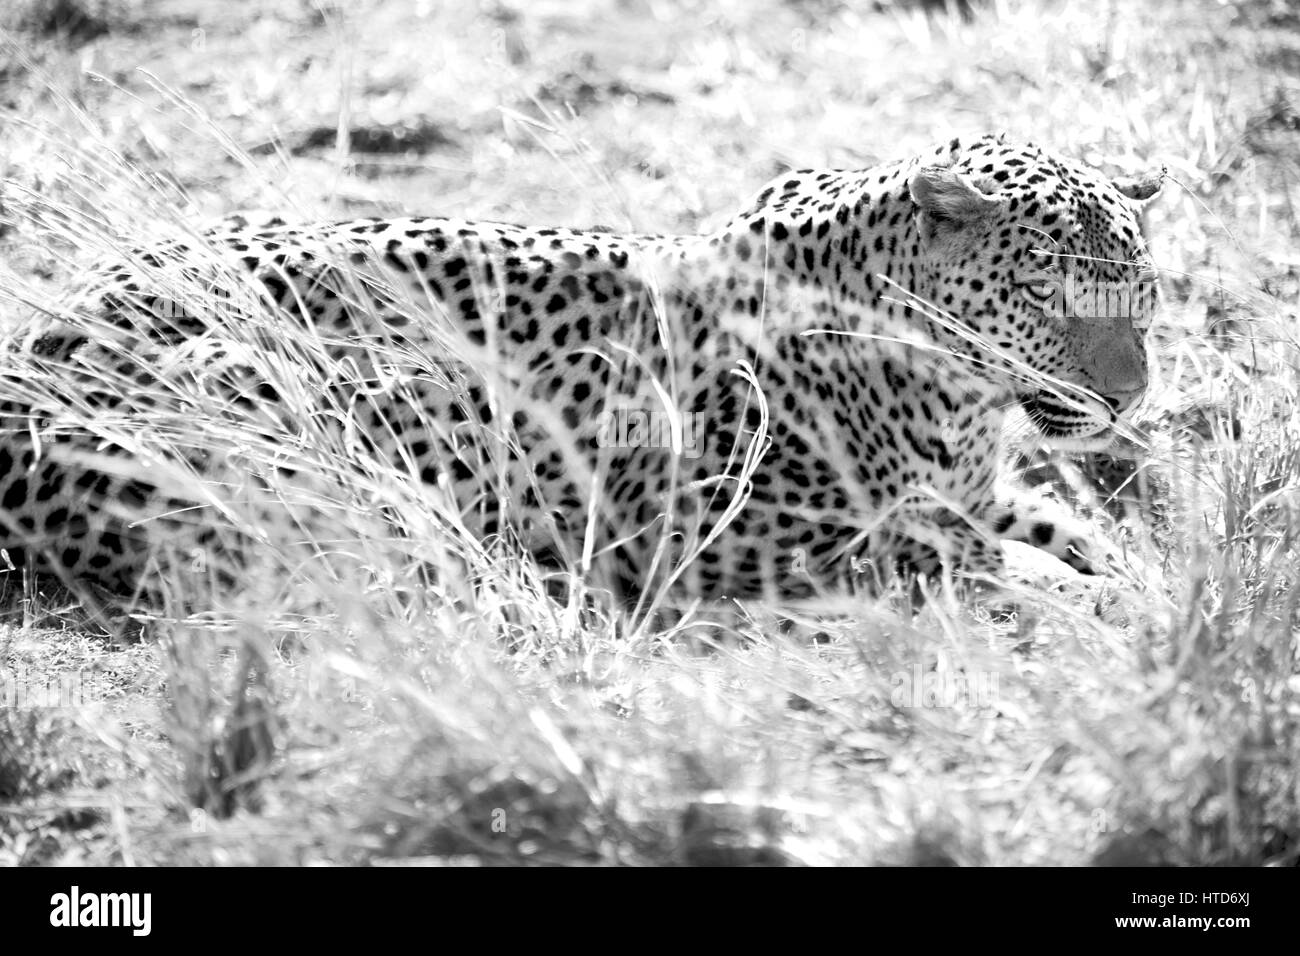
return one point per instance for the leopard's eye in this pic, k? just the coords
(1042, 288)
(1038, 297)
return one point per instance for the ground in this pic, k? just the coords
(1147, 717)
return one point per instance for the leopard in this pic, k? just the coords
(811, 397)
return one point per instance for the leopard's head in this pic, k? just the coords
(1043, 259)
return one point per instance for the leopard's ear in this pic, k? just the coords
(1142, 191)
(948, 202)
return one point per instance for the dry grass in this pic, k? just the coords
(374, 707)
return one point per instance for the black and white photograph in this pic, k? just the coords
(650, 433)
